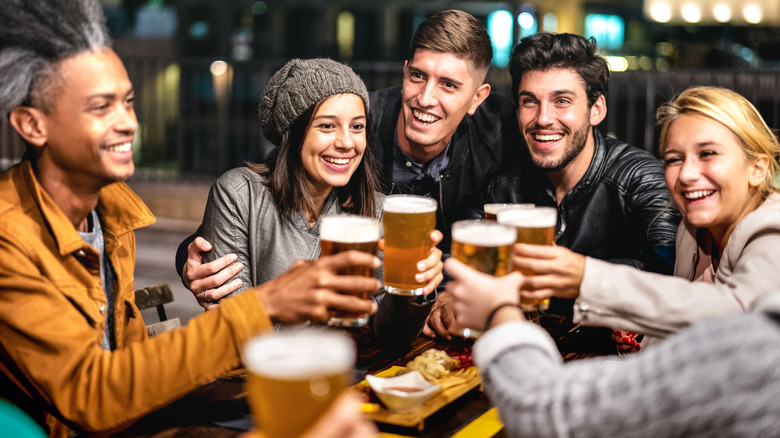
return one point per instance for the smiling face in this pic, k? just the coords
(439, 89)
(87, 135)
(709, 176)
(555, 119)
(334, 142)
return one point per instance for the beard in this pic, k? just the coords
(578, 141)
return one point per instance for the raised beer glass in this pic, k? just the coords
(485, 246)
(408, 221)
(346, 232)
(492, 209)
(535, 226)
(294, 376)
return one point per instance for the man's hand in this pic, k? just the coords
(309, 290)
(207, 281)
(442, 318)
(343, 419)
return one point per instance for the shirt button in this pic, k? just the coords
(81, 253)
(408, 164)
(103, 309)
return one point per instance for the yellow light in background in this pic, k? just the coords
(691, 13)
(752, 14)
(645, 63)
(345, 34)
(218, 68)
(722, 13)
(617, 63)
(661, 12)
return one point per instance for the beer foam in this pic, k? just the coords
(410, 204)
(495, 208)
(349, 228)
(537, 217)
(483, 233)
(299, 354)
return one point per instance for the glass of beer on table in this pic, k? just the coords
(535, 226)
(408, 221)
(346, 232)
(484, 245)
(492, 209)
(293, 377)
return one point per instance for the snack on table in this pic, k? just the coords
(433, 365)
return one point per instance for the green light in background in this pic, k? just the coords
(259, 8)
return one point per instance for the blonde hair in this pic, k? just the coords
(734, 112)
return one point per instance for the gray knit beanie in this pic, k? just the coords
(300, 84)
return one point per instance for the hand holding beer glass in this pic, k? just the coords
(294, 376)
(485, 246)
(408, 221)
(346, 232)
(535, 226)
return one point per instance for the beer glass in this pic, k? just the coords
(294, 376)
(408, 221)
(491, 210)
(535, 226)
(485, 246)
(344, 232)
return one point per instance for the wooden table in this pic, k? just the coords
(219, 409)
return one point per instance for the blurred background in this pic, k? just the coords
(199, 67)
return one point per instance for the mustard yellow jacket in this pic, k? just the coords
(52, 318)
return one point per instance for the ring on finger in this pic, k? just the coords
(206, 296)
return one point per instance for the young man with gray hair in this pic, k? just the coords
(75, 353)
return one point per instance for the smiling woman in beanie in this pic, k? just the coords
(268, 215)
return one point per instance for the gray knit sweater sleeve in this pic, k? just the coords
(719, 378)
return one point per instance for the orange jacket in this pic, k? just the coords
(52, 318)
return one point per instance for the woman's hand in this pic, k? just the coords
(558, 271)
(476, 294)
(626, 342)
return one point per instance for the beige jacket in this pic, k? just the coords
(625, 298)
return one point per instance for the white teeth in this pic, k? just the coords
(698, 194)
(427, 118)
(125, 147)
(337, 160)
(551, 137)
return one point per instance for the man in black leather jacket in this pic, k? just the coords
(611, 197)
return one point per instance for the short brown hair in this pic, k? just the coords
(458, 33)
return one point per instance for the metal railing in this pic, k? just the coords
(193, 124)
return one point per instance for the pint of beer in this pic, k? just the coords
(294, 376)
(491, 210)
(485, 246)
(342, 233)
(537, 227)
(408, 221)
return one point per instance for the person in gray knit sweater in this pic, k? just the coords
(716, 378)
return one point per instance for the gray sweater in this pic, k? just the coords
(715, 379)
(241, 218)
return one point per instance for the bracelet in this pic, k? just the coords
(495, 310)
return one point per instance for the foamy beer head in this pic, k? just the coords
(294, 376)
(484, 245)
(346, 232)
(491, 210)
(534, 225)
(408, 221)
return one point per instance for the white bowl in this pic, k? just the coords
(402, 393)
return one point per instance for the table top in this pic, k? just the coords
(219, 409)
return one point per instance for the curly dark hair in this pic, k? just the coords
(544, 51)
